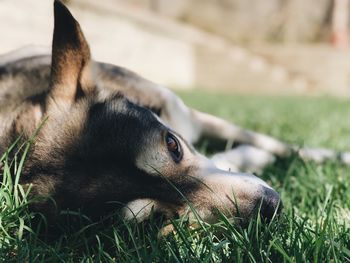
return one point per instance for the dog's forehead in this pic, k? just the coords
(119, 121)
(111, 133)
(113, 104)
(117, 107)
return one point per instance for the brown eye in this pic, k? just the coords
(173, 146)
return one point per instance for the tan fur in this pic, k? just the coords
(97, 145)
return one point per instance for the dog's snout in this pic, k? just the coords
(271, 204)
(237, 194)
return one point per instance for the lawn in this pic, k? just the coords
(314, 226)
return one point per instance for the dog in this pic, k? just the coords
(108, 135)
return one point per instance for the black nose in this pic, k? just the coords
(271, 204)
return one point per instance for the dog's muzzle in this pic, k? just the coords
(239, 195)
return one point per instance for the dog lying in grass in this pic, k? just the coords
(107, 135)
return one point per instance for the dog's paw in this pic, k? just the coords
(318, 155)
(138, 210)
(345, 158)
(244, 158)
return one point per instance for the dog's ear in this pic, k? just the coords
(71, 64)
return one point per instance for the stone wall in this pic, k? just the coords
(252, 20)
(178, 54)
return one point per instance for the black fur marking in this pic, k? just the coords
(100, 171)
(156, 110)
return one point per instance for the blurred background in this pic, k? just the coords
(279, 47)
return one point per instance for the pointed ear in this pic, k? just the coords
(71, 65)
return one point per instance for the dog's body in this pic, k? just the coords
(109, 135)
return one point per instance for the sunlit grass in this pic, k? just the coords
(313, 227)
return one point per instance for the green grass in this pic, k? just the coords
(314, 227)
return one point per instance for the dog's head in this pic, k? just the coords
(93, 150)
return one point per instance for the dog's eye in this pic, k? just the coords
(173, 147)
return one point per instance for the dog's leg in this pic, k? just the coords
(214, 127)
(193, 125)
